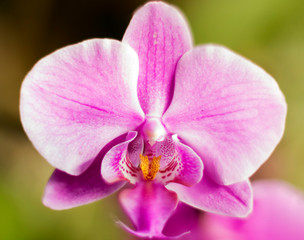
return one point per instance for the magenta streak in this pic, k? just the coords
(131, 167)
(77, 102)
(171, 166)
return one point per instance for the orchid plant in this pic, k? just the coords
(152, 114)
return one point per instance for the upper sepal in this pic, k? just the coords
(160, 35)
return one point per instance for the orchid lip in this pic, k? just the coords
(137, 160)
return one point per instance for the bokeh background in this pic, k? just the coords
(269, 32)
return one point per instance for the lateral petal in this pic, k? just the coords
(77, 99)
(230, 111)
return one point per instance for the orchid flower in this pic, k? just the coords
(278, 213)
(152, 111)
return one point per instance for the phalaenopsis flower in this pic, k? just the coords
(179, 123)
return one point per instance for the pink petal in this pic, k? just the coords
(230, 111)
(234, 200)
(192, 166)
(149, 205)
(65, 191)
(160, 35)
(165, 149)
(135, 148)
(278, 213)
(116, 164)
(77, 99)
(185, 167)
(184, 219)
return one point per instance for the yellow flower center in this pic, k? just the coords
(149, 168)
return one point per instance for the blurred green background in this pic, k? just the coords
(269, 32)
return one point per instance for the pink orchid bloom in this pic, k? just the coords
(278, 213)
(152, 110)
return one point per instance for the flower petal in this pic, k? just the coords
(165, 148)
(65, 191)
(230, 111)
(116, 164)
(278, 213)
(192, 165)
(160, 35)
(184, 219)
(77, 99)
(234, 200)
(149, 205)
(135, 148)
(185, 165)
